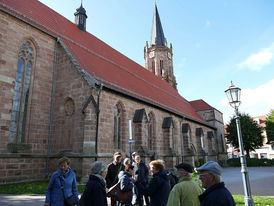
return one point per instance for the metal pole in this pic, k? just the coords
(130, 152)
(246, 183)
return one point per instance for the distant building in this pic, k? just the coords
(65, 92)
(265, 151)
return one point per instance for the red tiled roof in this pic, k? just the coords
(101, 61)
(200, 105)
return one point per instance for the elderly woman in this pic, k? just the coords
(159, 186)
(63, 177)
(95, 191)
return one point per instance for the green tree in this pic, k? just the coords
(251, 133)
(270, 126)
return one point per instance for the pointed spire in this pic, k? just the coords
(157, 33)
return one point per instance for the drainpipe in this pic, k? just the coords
(97, 120)
(182, 142)
(51, 108)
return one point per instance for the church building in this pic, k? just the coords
(66, 92)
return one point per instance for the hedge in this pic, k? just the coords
(251, 162)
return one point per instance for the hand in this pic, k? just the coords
(132, 180)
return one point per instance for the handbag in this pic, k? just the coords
(81, 201)
(69, 201)
(116, 192)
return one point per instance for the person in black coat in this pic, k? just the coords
(113, 170)
(95, 191)
(216, 194)
(141, 176)
(159, 186)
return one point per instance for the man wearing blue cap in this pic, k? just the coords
(216, 194)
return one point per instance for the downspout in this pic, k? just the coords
(97, 120)
(51, 107)
(182, 142)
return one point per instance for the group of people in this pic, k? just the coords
(133, 175)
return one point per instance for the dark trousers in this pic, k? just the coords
(140, 193)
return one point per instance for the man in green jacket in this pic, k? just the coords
(186, 192)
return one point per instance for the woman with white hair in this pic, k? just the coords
(95, 191)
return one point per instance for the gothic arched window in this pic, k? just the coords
(117, 128)
(150, 130)
(172, 136)
(21, 93)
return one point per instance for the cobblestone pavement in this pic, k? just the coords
(261, 181)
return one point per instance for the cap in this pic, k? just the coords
(211, 166)
(134, 153)
(187, 167)
(117, 154)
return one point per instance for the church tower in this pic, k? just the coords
(158, 57)
(80, 18)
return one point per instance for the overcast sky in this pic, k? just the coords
(214, 42)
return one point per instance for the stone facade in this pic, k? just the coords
(215, 118)
(21, 160)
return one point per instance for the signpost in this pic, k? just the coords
(130, 141)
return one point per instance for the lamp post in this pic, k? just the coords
(233, 94)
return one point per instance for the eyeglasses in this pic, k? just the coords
(204, 174)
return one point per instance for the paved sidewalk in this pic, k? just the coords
(24, 200)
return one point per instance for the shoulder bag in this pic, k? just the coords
(116, 192)
(69, 201)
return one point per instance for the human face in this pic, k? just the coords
(207, 179)
(131, 171)
(181, 172)
(104, 174)
(64, 166)
(137, 159)
(153, 170)
(118, 159)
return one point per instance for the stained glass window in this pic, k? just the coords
(21, 93)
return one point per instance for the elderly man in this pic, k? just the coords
(186, 192)
(215, 193)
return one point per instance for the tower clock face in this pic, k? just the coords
(169, 55)
(151, 54)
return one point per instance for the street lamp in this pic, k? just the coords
(233, 94)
